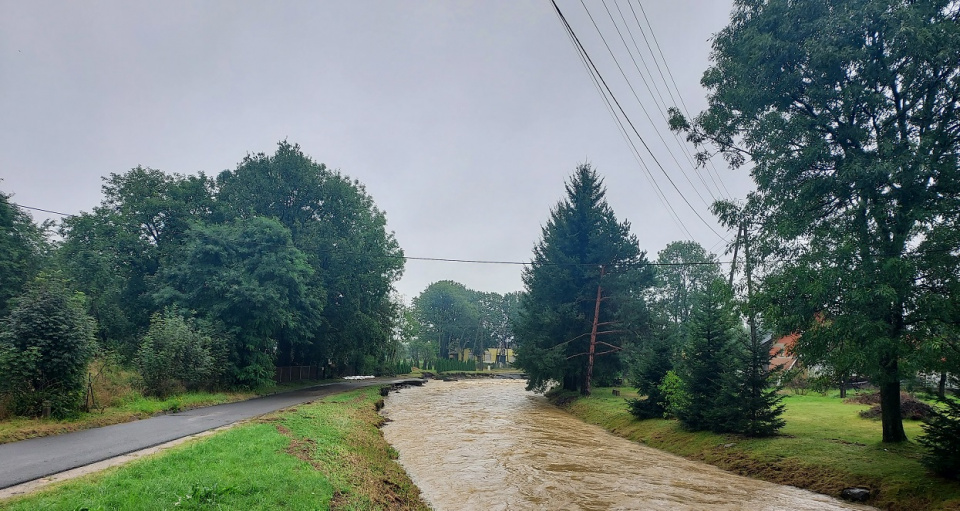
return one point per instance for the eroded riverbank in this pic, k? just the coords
(490, 445)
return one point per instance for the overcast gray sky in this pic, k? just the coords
(462, 118)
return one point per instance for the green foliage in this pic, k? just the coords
(46, 346)
(336, 225)
(448, 318)
(175, 356)
(720, 382)
(707, 357)
(402, 367)
(113, 253)
(22, 251)
(756, 399)
(289, 260)
(650, 361)
(846, 111)
(685, 270)
(582, 248)
(942, 439)
(248, 277)
(674, 391)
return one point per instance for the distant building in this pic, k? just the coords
(781, 352)
(488, 356)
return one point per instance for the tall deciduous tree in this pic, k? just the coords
(113, 253)
(847, 111)
(336, 224)
(247, 276)
(586, 277)
(22, 249)
(448, 315)
(684, 270)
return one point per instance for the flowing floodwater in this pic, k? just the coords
(490, 445)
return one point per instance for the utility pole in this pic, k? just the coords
(593, 333)
(736, 245)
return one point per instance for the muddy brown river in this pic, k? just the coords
(490, 445)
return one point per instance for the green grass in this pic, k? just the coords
(326, 455)
(131, 406)
(825, 447)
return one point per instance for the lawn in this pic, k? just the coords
(825, 447)
(325, 455)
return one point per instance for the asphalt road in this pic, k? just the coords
(41, 457)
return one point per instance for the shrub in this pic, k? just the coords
(45, 349)
(942, 439)
(175, 356)
(796, 380)
(675, 394)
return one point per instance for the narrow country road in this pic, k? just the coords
(41, 457)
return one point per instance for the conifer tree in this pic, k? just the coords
(707, 365)
(584, 253)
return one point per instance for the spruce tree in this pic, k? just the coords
(584, 252)
(707, 364)
(758, 402)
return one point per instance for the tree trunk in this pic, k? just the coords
(593, 340)
(890, 401)
(942, 388)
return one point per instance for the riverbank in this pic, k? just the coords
(130, 407)
(825, 447)
(325, 455)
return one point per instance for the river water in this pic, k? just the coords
(490, 445)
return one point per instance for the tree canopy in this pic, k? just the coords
(289, 259)
(847, 113)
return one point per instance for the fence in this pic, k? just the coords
(296, 373)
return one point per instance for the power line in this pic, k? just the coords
(635, 95)
(40, 209)
(626, 136)
(529, 263)
(672, 80)
(656, 87)
(635, 131)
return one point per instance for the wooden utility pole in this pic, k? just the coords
(736, 245)
(593, 334)
(748, 269)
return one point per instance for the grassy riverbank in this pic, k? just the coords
(325, 455)
(825, 447)
(129, 406)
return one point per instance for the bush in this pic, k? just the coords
(175, 356)
(675, 393)
(796, 380)
(942, 440)
(45, 349)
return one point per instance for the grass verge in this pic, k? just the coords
(132, 407)
(824, 447)
(325, 455)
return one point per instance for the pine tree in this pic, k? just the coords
(707, 364)
(942, 439)
(585, 256)
(758, 402)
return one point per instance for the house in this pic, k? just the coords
(488, 356)
(781, 352)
